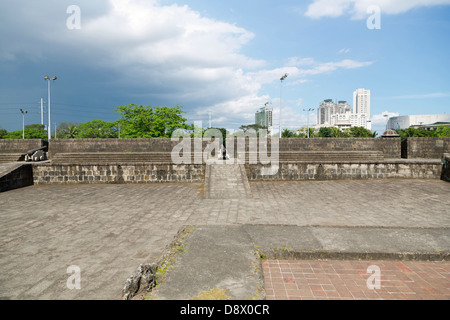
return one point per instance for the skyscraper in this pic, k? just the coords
(263, 117)
(361, 102)
(342, 115)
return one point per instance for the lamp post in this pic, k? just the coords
(24, 112)
(49, 127)
(281, 98)
(307, 119)
(387, 120)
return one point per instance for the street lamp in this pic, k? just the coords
(281, 98)
(24, 112)
(387, 120)
(307, 117)
(47, 78)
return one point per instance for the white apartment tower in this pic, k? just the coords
(264, 118)
(342, 115)
(361, 102)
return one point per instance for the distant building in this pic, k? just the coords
(361, 102)
(264, 118)
(342, 115)
(428, 122)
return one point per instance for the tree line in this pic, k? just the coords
(137, 121)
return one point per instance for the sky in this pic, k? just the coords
(222, 57)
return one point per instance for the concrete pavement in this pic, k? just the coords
(109, 230)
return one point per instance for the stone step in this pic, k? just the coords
(321, 156)
(166, 157)
(11, 157)
(225, 181)
(101, 157)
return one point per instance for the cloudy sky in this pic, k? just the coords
(223, 57)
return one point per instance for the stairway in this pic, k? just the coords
(226, 181)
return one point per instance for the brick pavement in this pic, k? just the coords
(108, 230)
(226, 182)
(348, 280)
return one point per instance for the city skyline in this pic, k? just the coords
(222, 58)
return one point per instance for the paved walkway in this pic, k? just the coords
(108, 230)
(226, 181)
(356, 280)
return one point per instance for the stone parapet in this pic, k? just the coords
(393, 169)
(426, 148)
(114, 173)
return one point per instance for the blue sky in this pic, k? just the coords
(222, 56)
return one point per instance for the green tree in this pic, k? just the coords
(29, 134)
(97, 129)
(312, 132)
(150, 122)
(3, 132)
(325, 132)
(415, 132)
(338, 133)
(67, 130)
(255, 127)
(360, 132)
(40, 127)
(286, 133)
(443, 131)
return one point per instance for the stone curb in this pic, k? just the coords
(289, 254)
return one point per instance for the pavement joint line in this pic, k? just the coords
(119, 231)
(284, 254)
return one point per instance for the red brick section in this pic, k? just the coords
(348, 280)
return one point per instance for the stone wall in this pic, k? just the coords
(111, 145)
(391, 147)
(47, 173)
(17, 176)
(400, 169)
(426, 148)
(19, 145)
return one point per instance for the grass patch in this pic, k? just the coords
(214, 294)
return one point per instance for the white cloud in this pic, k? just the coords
(420, 96)
(327, 67)
(381, 119)
(168, 51)
(344, 50)
(358, 8)
(296, 61)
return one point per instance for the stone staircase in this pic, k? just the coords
(112, 157)
(226, 181)
(11, 157)
(165, 157)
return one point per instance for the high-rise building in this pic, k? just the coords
(361, 102)
(263, 117)
(342, 115)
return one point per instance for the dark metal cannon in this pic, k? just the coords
(38, 154)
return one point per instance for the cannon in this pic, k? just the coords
(38, 154)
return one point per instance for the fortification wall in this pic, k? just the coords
(426, 148)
